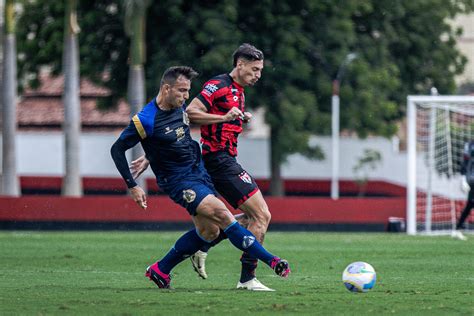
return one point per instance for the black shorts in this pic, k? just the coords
(229, 178)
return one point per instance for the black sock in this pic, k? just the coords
(249, 265)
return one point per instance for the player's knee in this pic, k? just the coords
(209, 233)
(263, 216)
(223, 217)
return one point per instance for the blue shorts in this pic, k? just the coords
(189, 189)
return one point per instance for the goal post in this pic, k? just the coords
(438, 127)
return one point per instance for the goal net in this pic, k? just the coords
(438, 128)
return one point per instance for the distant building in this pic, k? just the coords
(42, 108)
(466, 46)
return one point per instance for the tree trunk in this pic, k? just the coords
(2, 29)
(72, 183)
(136, 99)
(10, 184)
(276, 182)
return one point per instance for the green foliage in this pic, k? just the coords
(368, 161)
(102, 273)
(102, 41)
(404, 47)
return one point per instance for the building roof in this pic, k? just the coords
(43, 108)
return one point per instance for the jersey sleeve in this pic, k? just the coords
(128, 139)
(212, 90)
(144, 120)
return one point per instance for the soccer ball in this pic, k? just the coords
(359, 277)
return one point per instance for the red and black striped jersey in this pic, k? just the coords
(219, 95)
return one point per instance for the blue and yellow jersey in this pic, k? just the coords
(166, 140)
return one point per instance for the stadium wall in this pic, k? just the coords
(42, 154)
(120, 212)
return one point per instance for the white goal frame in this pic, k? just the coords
(412, 101)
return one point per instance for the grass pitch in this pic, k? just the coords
(100, 273)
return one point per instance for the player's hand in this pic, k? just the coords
(465, 187)
(247, 117)
(138, 166)
(233, 114)
(139, 196)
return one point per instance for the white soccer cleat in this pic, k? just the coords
(456, 234)
(254, 285)
(199, 263)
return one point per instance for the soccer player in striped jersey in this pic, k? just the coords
(220, 110)
(162, 128)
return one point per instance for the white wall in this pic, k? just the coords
(42, 154)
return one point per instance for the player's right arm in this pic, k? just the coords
(138, 166)
(198, 114)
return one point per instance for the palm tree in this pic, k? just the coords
(10, 184)
(2, 15)
(135, 22)
(72, 185)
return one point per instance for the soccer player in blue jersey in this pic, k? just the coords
(162, 128)
(220, 110)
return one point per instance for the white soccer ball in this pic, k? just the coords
(359, 277)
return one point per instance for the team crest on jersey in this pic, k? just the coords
(179, 133)
(189, 195)
(185, 118)
(244, 176)
(248, 241)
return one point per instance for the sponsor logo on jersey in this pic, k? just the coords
(168, 130)
(189, 195)
(210, 88)
(244, 176)
(248, 241)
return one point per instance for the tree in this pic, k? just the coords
(72, 183)
(10, 184)
(404, 47)
(135, 23)
(419, 40)
(2, 23)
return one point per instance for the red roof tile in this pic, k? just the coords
(43, 107)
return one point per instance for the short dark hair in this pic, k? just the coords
(247, 52)
(172, 74)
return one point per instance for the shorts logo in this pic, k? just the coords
(244, 176)
(248, 241)
(189, 196)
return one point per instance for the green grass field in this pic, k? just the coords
(98, 273)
